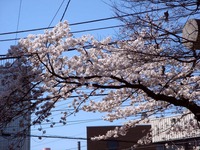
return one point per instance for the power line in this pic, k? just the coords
(95, 29)
(78, 23)
(59, 137)
(77, 138)
(123, 141)
(73, 32)
(73, 24)
(44, 28)
(56, 13)
(79, 31)
(88, 21)
(19, 14)
(75, 122)
(65, 10)
(95, 20)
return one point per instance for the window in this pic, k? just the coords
(112, 145)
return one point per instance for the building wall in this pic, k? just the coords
(120, 143)
(182, 144)
(174, 128)
(169, 133)
(175, 133)
(14, 133)
(11, 137)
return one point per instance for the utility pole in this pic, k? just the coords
(79, 145)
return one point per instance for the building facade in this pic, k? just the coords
(170, 133)
(176, 132)
(14, 124)
(126, 142)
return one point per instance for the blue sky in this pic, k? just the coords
(39, 14)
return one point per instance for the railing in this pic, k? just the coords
(4, 59)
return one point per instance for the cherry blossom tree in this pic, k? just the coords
(147, 73)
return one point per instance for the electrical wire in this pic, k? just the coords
(88, 139)
(74, 32)
(18, 20)
(95, 29)
(78, 23)
(56, 13)
(88, 21)
(65, 10)
(68, 123)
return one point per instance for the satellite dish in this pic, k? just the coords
(191, 35)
